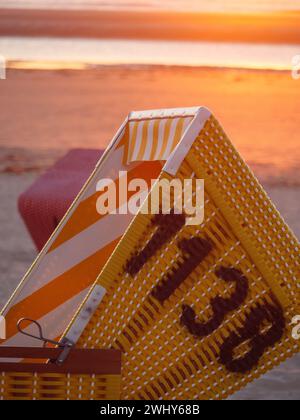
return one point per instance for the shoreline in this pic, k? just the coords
(279, 28)
(28, 65)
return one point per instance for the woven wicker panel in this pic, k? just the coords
(37, 386)
(69, 374)
(228, 318)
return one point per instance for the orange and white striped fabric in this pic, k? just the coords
(154, 139)
(62, 275)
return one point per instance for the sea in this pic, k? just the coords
(62, 52)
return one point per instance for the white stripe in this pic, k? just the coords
(150, 140)
(74, 251)
(138, 142)
(161, 133)
(109, 169)
(53, 324)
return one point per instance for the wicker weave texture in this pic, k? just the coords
(36, 386)
(165, 355)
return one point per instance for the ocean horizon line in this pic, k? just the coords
(61, 66)
(81, 53)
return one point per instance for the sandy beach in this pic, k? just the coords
(46, 112)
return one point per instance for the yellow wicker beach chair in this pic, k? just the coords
(198, 311)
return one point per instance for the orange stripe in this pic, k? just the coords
(166, 138)
(178, 133)
(63, 288)
(144, 141)
(155, 139)
(132, 142)
(86, 213)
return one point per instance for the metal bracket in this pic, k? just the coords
(66, 345)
